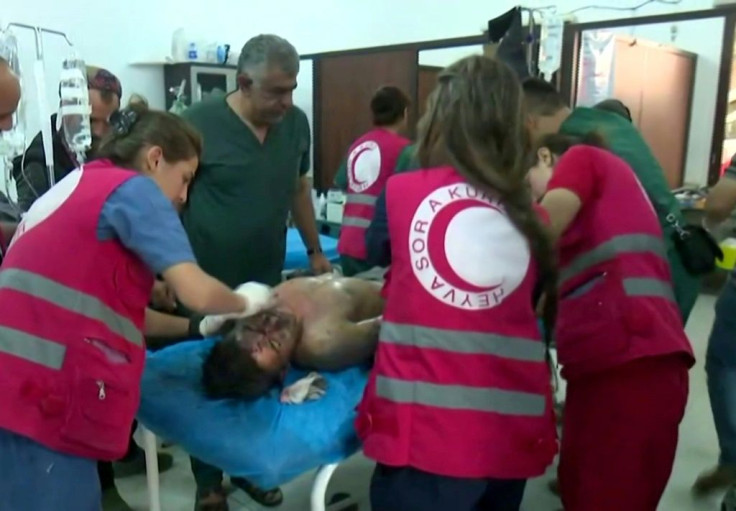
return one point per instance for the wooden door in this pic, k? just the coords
(344, 86)
(629, 64)
(656, 83)
(665, 115)
(427, 81)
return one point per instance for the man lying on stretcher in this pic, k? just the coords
(324, 323)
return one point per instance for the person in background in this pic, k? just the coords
(9, 99)
(371, 160)
(29, 170)
(720, 359)
(616, 107)
(9, 95)
(620, 341)
(549, 113)
(458, 407)
(252, 174)
(72, 332)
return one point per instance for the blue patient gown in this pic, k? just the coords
(263, 440)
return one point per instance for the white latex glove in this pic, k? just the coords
(210, 325)
(257, 296)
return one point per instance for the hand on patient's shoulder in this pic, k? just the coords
(310, 388)
(257, 297)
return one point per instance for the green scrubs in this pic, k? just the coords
(407, 159)
(241, 196)
(626, 141)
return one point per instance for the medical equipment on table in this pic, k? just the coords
(264, 441)
(75, 109)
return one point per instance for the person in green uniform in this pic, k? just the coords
(251, 175)
(549, 113)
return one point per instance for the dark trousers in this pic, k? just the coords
(207, 477)
(409, 489)
(720, 365)
(104, 468)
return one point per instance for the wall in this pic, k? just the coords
(116, 34)
(443, 57)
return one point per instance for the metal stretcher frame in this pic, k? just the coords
(319, 487)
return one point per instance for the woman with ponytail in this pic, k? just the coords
(620, 339)
(458, 410)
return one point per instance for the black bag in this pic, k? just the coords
(696, 247)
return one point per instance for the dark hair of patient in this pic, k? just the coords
(228, 372)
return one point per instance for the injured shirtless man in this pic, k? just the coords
(324, 323)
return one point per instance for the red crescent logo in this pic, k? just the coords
(437, 237)
(352, 166)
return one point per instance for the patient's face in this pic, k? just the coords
(269, 337)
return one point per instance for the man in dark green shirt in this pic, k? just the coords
(251, 175)
(549, 113)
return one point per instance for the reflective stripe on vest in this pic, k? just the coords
(631, 243)
(71, 300)
(29, 347)
(354, 221)
(478, 343)
(607, 251)
(358, 199)
(458, 397)
(363, 199)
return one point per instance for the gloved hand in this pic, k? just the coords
(210, 325)
(257, 297)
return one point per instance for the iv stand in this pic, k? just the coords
(43, 109)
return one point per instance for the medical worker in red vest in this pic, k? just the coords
(74, 287)
(371, 160)
(620, 338)
(458, 409)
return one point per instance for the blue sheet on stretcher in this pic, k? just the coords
(263, 440)
(296, 253)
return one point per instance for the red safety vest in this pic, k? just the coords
(616, 298)
(371, 160)
(460, 386)
(71, 342)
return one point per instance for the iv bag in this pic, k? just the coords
(550, 51)
(12, 142)
(75, 109)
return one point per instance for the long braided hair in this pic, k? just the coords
(475, 122)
